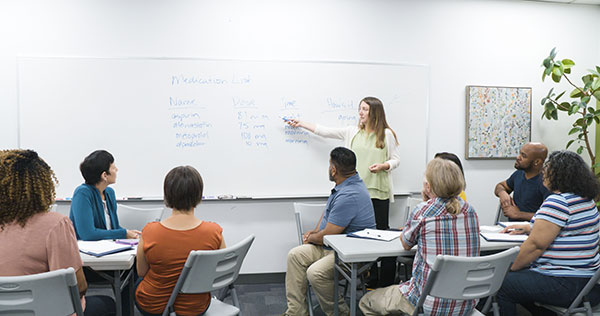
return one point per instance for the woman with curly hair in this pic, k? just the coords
(35, 240)
(561, 253)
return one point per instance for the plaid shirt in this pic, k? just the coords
(436, 232)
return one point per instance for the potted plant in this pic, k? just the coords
(579, 104)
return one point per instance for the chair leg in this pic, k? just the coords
(234, 297)
(495, 308)
(487, 305)
(309, 301)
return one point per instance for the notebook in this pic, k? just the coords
(502, 237)
(131, 242)
(385, 235)
(504, 224)
(101, 247)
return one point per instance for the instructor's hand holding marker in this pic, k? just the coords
(291, 122)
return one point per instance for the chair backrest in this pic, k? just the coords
(48, 293)
(307, 217)
(136, 217)
(500, 217)
(209, 270)
(467, 278)
(411, 203)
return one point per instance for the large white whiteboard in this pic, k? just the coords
(221, 116)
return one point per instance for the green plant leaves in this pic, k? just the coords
(573, 131)
(577, 102)
(576, 93)
(596, 84)
(565, 106)
(567, 63)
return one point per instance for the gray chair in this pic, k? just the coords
(136, 217)
(210, 270)
(500, 217)
(48, 293)
(467, 278)
(581, 305)
(307, 217)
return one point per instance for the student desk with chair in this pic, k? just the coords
(351, 252)
(117, 269)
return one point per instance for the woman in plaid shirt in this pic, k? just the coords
(445, 224)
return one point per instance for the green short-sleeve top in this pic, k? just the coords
(367, 154)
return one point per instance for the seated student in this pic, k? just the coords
(349, 209)
(34, 240)
(165, 246)
(526, 184)
(454, 158)
(94, 206)
(561, 253)
(444, 224)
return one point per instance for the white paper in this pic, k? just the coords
(490, 229)
(385, 235)
(101, 247)
(504, 224)
(503, 237)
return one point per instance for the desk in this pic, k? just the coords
(350, 252)
(112, 268)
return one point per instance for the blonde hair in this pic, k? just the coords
(377, 121)
(446, 181)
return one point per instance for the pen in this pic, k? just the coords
(285, 119)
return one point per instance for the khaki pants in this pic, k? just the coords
(385, 301)
(310, 263)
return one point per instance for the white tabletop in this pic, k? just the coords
(116, 261)
(351, 249)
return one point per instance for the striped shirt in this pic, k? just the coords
(574, 252)
(436, 232)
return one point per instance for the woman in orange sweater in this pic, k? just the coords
(165, 246)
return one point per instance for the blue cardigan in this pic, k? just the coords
(87, 214)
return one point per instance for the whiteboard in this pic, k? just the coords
(224, 117)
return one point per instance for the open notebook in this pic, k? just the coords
(385, 235)
(101, 247)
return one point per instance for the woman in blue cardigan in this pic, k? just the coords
(94, 207)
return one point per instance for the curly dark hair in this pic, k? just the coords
(566, 172)
(27, 186)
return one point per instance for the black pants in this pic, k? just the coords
(386, 274)
(93, 277)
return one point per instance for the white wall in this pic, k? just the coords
(464, 42)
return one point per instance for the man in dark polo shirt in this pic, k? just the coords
(526, 183)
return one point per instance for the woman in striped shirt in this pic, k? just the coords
(561, 252)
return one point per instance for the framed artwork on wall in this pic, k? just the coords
(498, 121)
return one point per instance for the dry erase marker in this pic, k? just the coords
(285, 119)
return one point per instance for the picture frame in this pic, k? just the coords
(498, 121)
